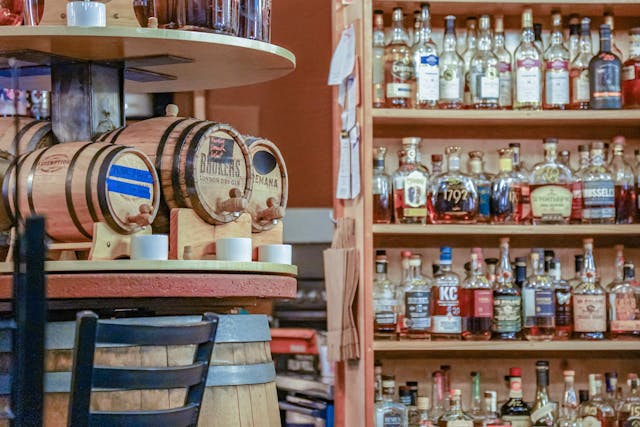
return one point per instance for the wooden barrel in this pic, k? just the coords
(240, 391)
(6, 219)
(30, 134)
(270, 184)
(202, 165)
(76, 184)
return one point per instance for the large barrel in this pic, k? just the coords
(76, 184)
(240, 391)
(202, 165)
(270, 184)
(29, 134)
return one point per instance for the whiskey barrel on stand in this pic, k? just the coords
(20, 135)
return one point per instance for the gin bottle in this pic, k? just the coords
(410, 184)
(579, 69)
(417, 302)
(598, 189)
(454, 195)
(589, 301)
(538, 303)
(446, 320)
(482, 182)
(455, 416)
(388, 412)
(452, 77)
(377, 55)
(556, 59)
(384, 300)
(624, 179)
(507, 301)
(425, 58)
(527, 68)
(483, 69)
(477, 303)
(398, 65)
(381, 189)
(505, 99)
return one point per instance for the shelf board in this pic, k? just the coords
(463, 235)
(216, 61)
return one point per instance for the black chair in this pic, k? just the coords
(86, 376)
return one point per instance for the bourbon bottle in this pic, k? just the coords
(384, 300)
(589, 301)
(453, 193)
(381, 183)
(631, 72)
(410, 185)
(446, 320)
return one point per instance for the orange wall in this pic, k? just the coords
(294, 111)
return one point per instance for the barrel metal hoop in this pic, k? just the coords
(102, 188)
(40, 134)
(18, 166)
(179, 198)
(163, 142)
(30, 178)
(87, 185)
(16, 139)
(112, 136)
(69, 195)
(6, 196)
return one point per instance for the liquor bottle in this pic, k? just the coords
(405, 282)
(455, 416)
(476, 411)
(410, 184)
(424, 416)
(491, 415)
(563, 302)
(377, 59)
(631, 72)
(377, 380)
(538, 303)
(520, 271)
(381, 189)
(596, 412)
(551, 188)
(505, 99)
(611, 385)
(436, 164)
(527, 58)
(437, 395)
(417, 302)
(598, 189)
(453, 193)
(482, 183)
(569, 407)
(583, 396)
(404, 396)
(624, 306)
(604, 76)
(477, 304)
(471, 45)
(484, 75)
(578, 264)
(413, 389)
(384, 300)
(413, 33)
(492, 264)
(589, 301)
(564, 157)
(523, 183)
(556, 59)
(537, 36)
(608, 20)
(573, 42)
(452, 75)
(507, 302)
(388, 412)
(542, 409)
(579, 69)
(446, 322)
(506, 192)
(398, 65)
(629, 414)
(425, 58)
(624, 179)
(515, 409)
(549, 254)
(446, 378)
(576, 187)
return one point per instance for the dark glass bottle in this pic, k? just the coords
(515, 410)
(521, 271)
(604, 75)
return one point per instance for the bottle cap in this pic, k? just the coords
(411, 140)
(476, 154)
(527, 18)
(549, 253)
(542, 364)
(378, 12)
(582, 148)
(521, 260)
(504, 240)
(515, 372)
(412, 383)
(445, 368)
(474, 374)
(436, 158)
(491, 261)
(397, 14)
(452, 150)
(618, 140)
(585, 25)
(403, 390)
(405, 254)
(499, 23)
(550, 141)
(445, 255)
(423, 403)
(569, 373)
(381, 252)
(456, 392)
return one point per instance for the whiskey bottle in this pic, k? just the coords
(381, 189)
(482, 183)
(388, 412)
(527, 68)
(556, 59)
(624, 179)
(453, 193)
(631, 72)
(471, 46)
(538, 304)
(405, 282)
(484, 75)
(515, 410)
(507, 301)
(506, 192)
(425, 58)
(452, 75)
(446, 321)
(455, 416)
(563, 302)
(551, 188)
(579, 70)
(477, 302)
(624, 306)
(377, 60)
(608, 20)
(542, 410)
(596, 412)
(589, 301)
(505, 99)
(417, 302)
(578, 264)
(598, 189)
(523, 183)
(410, 184)
(384, 300)
(576, 187)
(569, 406)
(398, 65)
(629, 414)
(573, 42)
(604, 76)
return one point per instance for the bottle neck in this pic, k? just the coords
(438, 393)
(597, 158)
(445, 266)
(472, 40)
(399, 35)
(381, 271)
(453, 162)
(515, 388)
(557, 38)
(505, 164)
(425, 28)
(585, 42)
(449, 42)
(619, 266)
(527, 35)
(505, 272)
(416, 271)
(455, 403)
(550, 153)
(584, 159)
(475, 165)
(605, 44)
(542, 382)
(476, 397)
(498, 40)
(485, 40)
(589, 267)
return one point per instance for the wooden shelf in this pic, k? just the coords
(419, 236)
(215, 61)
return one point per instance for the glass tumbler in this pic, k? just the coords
(225, 16)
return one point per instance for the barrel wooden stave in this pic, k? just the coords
(31, 135)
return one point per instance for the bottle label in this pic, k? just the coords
(506, 313)
(590, 421)
(623, 307)
(518, 420)
(629, 72)
(505, 85)
(417, 310)
(450, 84)
(542, 412)
(402, 70)
(446, 318)
(598, 199)
(415, 194)
(483, 303)
(427, 78)
(378, 66)
(529, 302)
(460, 423)
(581, 89)
(384, 311)
(551, 203)
(589, 313)
(606, 81)
(392, 420)
(452, 197)
(484, 200)
(398, 90)
(564, 314)
(528, 81)
(544, 303)
(576, 205)
(524, 205)
(557, 82)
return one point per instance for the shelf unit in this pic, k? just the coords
(485, 130)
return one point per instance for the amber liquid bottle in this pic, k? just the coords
(381, 183)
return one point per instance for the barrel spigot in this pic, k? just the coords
(235, 204)
(143, 219)
(272, 213)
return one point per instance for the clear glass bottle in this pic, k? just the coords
(453, 193)
(388, 412)
(577, 277)
(471, 46)
(505, 99)
(417, 302)
(484, 75)
(631, 72)
(437, 395)
(515, 409)
(605, 76)
(589, 301)
(519, 169)
(446, 320)
(569, 406)
(452, 75)
(624, 306)
(542, 410)
(573, 42)
(385, 304)
(556, 59)
(629, 413)
(482, 183)
(476, 410)
(377, 381)
(506, 192)
(579, 69)
(398, 65)
(424, 417)
(564, 157)
(407, 278)
(477, 303)
(538, 303)
(455, 416)
(596, 412)
(413, 33)
(563, 302)
(527, 86)
(410, 185)
(507, 301)
(598, 189)
(537, 36)
(551, 188)
(491, 415)
(624, 178)
(608, 20)
(381, 189)
(576, 187)
(377, 60)
(436, 164)
(426, 60)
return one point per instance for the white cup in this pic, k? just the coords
(234, 249)
(277, 254)
(86, 14)
(150, 247)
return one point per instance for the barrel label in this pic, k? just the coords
(53, 163)
(220, 149)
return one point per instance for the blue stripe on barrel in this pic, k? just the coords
(132, 174)
(128, 189)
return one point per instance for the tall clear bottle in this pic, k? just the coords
(579, 69)
(446, 320)
(385, 304)
(573, 42)
(538, 303)
(482, 182)
(377, 60)
(505, 99)
(484, 75)
(471, 46)
(476, 410)
(527, 58)
(438, 394)
(452, 76)
(589, 301)
(389, 413)
(381, 189)
(624, 178)
(410, 185)
(556, 59)
(427, 68)
(507, 300)
(542, 410)
(417, 302)
(596, 412)
(453, 193)
(522, 175)
(405, 282)
(455, 416)
(477, 303)
(598, 189)
(398, 65)
(569, 405)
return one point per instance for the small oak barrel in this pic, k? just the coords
(6, 219)
(240, 391)
(76, 184)
(270, 184)
(202, 165)
(29, 134)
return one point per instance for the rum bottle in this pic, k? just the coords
(563, 302)
(417, 302)
(604, 75)
(452, 77)
(467, 55)
(453, 193)
(385, 304)
(579, 70)
(455, 416)
(538, 301)
(556, 59)
(624, 306)
(410, 184)
(542, 409)
(482, 182)
(505, 99)
(515, 410)
(506, 192)
(388, 412)
(629, 413)
(381, 183)
(631, 72)
(446, 320)
(596, 412)
(398, 65)
(589, 301)
(598, 189)
(527, 68)
(624, 179)
(484, 75)
(507, 301)
(425, 58)
(477, 305)
(377, 60)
